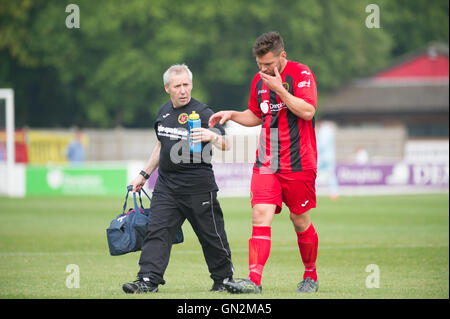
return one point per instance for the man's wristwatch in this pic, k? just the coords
(144, 173)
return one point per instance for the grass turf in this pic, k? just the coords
(406, 236)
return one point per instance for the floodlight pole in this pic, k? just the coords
(8, 95)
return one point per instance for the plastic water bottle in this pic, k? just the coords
(194, 122)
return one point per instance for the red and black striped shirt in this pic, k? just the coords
(287, 142)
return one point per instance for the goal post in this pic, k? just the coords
(8, 186)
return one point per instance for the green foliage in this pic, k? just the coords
(412, 23)
(109, 71)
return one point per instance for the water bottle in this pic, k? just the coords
(194, 122)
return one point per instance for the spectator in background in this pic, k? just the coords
(2, 151)
(326, 155)
(75, 149)
(361, 156)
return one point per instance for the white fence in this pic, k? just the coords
(395, 164)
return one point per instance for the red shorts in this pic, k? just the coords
(297, 190)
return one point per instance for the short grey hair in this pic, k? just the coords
(177, 69)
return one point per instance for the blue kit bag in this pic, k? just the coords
(127, 231)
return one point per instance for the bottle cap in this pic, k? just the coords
(193, 116)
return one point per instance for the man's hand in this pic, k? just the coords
(201, 134)
(274, 83)
(219, 118)
(138, 182)
(296, 105)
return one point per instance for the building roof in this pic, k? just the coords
(417, 82)
(429, 63)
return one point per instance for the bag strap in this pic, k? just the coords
(145, 195)
(129, 188)
(136, 207)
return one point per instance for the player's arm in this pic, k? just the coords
(152, 164)
(298, 106)
(246, 118)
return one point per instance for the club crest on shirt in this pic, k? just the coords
(264, 106)
(286, 86)
(182, 118)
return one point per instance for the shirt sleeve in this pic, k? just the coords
(253, 100)
(156, 129)
(305, 87)
(205, 115)
(157, 121)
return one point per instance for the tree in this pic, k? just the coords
(109, 71)
(412, 24)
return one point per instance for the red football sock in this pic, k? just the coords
(307, 243)
(258, 252)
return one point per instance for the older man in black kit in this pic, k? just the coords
(185, 188)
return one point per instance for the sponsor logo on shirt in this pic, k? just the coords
(265, 106)
(306, 72)
(277, 107)
(172, 132)
(182, 118)
(303, 84)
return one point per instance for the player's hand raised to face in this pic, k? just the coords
(274, 83)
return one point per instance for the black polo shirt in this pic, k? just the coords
(181, 171)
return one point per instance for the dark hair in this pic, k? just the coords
(268, 42)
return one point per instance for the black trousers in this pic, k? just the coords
(169, 211)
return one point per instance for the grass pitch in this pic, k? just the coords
(406, 237)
